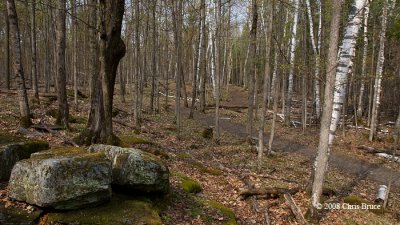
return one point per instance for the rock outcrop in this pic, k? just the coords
(62, 179)
(12, 153)
(135, 169)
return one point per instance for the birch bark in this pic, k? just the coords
(293, 44)
(364, 61)
(379, 71)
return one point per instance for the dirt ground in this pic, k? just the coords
(224, 171)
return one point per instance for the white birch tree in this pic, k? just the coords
(379, 71)
(316, 51)
(364, 61)
(293, 44)
(344, 65)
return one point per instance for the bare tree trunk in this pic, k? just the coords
(320, 165)
(196, 69)
(33, 44)
(154, 61)
(396, 133)
(74, 52)
(8, 70)
(252, 64)
(293, 44)
(379, 71)
(63, 110)
(136, 102)
(268, 30)
(177, 13)
(317, 56)
(24, 111)
(203, 59)
(364, 61)
(94, 125)
(112, 49)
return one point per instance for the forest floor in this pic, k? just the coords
(225, 170)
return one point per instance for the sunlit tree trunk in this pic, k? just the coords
(317, 57)
(24, 111)
(251, 74)
(293, 44)
(378, 74)
(74, 31)
(321, 161)
(268, 32)
(364, 62)
(345, 63)
(136, 101)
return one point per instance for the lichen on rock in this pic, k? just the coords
(135, 169)
(62, 179)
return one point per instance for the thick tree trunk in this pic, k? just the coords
(378, 73)
(321, 160)
(25, 120)
(345, 63)
(33, 44)
(203, 59)
(252, 64)
(293, 44)
(63, 110)
(268, 32)
(112, 49)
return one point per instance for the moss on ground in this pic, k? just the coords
(190, 186)
(6, 139)
(228, 213)
(129, 141)
(119, 211)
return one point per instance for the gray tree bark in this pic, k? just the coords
(321, 160)
(24, 111)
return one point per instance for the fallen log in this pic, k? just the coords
(373, 150)
(267, 193)
(295, 209)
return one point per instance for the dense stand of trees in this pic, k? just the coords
(281, 52)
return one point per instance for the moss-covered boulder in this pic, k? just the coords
(62, 179)
(119, 211)
(13, 149)
(16, 216)
(135, 169)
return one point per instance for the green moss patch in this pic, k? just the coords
(188, 184)
(6, 139)
(191, 186)
(119, 211)
(33, 146)
(228, 213)
(129, 141)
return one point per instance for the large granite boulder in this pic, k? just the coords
(10, 153)
(135, 169)
(62, 179)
